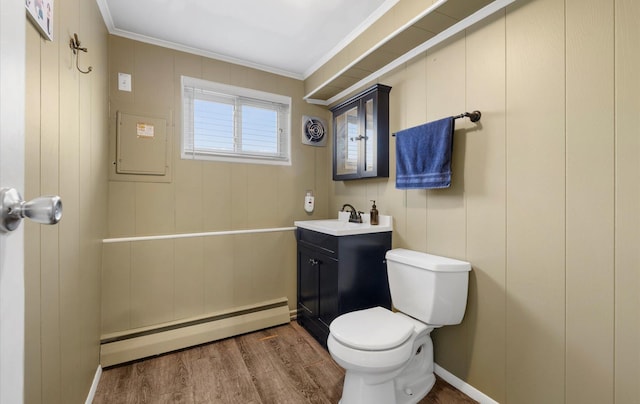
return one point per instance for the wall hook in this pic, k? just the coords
(74, 44)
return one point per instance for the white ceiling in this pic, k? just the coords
(289, 37)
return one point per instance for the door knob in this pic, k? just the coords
(44, 209)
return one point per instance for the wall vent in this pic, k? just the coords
(314, 131)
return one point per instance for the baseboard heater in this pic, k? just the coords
(140, 343)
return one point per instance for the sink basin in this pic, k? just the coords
(340, 227)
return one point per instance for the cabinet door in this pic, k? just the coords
(369, 148)
(308, 283)
(328, 303)
(347, 134)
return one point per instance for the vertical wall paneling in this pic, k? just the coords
(188, 278)
(33, 351)
(49, 247)
(154, 208)
(69, 190)
(215, 71)
(151, 98)
(414, 112)
(189, 189)
(446, 214)
(288, 201)
(115, 287)
(66, 156)
(239, 196)
(535, 208)
(261, 202)
(248, 278)
(121, 208)
(627, 203)
(446, 97)
(218, 273)
(390, 200)
(485, 190)
(152, 283)
(217, 196)
(589, 203)
(190, 179)
(288, 255)
(91, 202)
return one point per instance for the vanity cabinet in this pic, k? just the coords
(339, 274)
(361, 135)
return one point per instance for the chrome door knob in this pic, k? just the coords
(44, 209)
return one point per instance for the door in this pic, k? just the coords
(12, 87)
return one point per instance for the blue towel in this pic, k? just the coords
(423, 155)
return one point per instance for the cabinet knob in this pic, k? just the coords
(313, 261)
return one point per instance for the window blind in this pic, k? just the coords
(222, 122)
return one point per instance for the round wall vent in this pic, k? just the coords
(314, 131)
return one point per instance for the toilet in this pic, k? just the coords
(388, 356)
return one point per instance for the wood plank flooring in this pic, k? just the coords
(280, 365)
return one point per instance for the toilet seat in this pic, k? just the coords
(374, 329)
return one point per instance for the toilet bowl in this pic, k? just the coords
(376, 346)
(388, 356)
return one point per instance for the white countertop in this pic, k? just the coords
(342, 227)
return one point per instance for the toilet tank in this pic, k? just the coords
(427, 287)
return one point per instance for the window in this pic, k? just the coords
(227, 123)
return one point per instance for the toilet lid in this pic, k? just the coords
(374, 329)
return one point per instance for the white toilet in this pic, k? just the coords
(388, 356)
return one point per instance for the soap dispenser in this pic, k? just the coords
(373, 215)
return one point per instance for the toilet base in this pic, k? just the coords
(357, 391)
(407, 385)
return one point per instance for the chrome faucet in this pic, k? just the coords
(354, 215)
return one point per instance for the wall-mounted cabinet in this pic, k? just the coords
(361, 135)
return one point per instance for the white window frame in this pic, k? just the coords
(193, 88)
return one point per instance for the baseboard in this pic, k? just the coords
(142, 343)
(94, 385)
(463, 386)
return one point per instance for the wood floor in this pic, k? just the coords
(279, 365)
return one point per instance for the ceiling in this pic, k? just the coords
(288, 37)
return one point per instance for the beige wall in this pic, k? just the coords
(544, 201)
(66, 154)
(151, 282)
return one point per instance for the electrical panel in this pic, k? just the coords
(141, 145)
